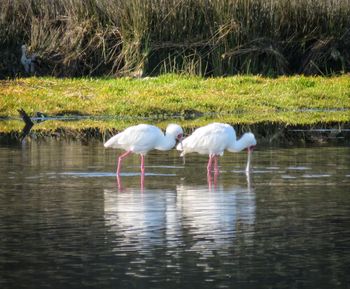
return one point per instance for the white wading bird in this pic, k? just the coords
(142, 138)
(28, 62)
(213, 139)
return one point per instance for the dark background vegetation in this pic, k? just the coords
(203, 37)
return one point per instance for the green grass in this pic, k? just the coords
(237, 100)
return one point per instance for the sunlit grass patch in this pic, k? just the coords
(239, 99)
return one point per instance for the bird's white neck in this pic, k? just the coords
(246, 141)
(239, 145)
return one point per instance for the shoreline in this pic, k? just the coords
(295, 109)
(267, 133)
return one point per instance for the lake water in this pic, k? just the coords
(65, 223)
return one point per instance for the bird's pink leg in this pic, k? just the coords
(142, 185)
(120, 159)
(209, 164)
(142, 164)
(209, 180)
(212, 182)
(119, 183)
(216, 168)
(215, 179)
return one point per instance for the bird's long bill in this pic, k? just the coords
(183, 155)
(250, 151)
(180, 142)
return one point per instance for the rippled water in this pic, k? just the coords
(64, 223)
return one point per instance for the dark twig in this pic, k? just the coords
(28, 124)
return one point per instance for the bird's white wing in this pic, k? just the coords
(139, 139)
(210, 139)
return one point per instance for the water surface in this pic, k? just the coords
(65, 223)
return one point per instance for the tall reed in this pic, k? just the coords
(204, 37)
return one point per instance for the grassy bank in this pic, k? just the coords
(218, 37)
(188, 100)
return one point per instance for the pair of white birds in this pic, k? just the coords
(210, 140)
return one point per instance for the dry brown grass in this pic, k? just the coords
(143, 37)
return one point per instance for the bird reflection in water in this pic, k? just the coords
(217, 216)
(142, 182)
(212, 180)
(208, 220)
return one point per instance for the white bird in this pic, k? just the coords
(213, 139)
(28, 61)
(142, 138)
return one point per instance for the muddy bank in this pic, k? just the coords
(266, 133)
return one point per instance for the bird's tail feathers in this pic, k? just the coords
(112, 142)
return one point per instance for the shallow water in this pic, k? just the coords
(65, 223)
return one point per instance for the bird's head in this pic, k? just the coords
(175, 131)
(249, 141)
(251, 148)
